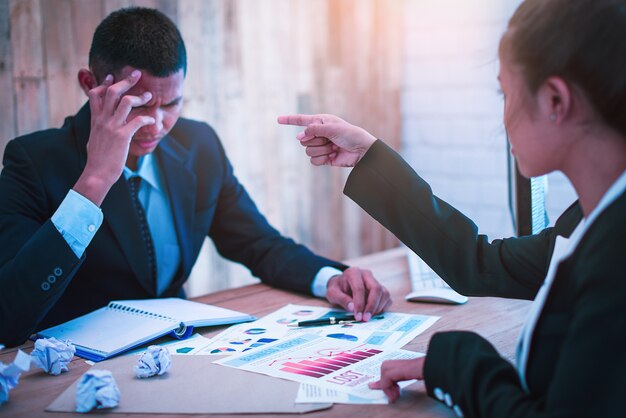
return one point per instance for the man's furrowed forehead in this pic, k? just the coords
(165, 89)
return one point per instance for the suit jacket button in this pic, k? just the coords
(457, 411)
(448, 400)
(58, 271)
(438, 394)
(52, 279)
(45, 286)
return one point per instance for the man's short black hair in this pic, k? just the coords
(138, 37)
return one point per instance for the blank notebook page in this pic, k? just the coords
(191, 313)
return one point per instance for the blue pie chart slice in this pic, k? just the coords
(342, 336)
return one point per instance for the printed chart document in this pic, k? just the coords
(188, 346)
(124, 324)
(308, 393)
(335, 364)
(392, 331)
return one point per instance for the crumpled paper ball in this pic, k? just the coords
(155, 361)
(10, 373)
(96, 389)
(52, 355)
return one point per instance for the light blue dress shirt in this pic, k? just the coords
(78, 219)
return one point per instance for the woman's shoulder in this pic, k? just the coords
(601, 253)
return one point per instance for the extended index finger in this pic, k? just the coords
(300, 120)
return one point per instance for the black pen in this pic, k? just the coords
(332, 320)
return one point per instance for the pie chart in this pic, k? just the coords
(342, 336)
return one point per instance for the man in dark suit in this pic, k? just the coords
(117, 202)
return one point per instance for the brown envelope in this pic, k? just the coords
(194, 385)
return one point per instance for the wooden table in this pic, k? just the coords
(497, 319)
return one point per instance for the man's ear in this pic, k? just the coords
(86, 80)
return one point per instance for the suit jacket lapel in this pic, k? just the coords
(118, 210)
(120, 214)
(181, 187)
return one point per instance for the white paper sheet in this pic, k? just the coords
(393, 331)
(336, 364)
(96, 389)
(154, 362)
(310, 393)
(10, 374)
(52, 355)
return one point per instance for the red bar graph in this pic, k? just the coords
(302, 372)
(338, 363)
(325, 365)
(318, 363)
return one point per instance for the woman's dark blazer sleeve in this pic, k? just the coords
(576, 366)
(387, 188)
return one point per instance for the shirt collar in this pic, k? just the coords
(146, 169)
(615, 191)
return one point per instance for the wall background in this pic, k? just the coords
(419, 73)
(452, 130)
(249, 61)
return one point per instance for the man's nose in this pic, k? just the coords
(157, 126)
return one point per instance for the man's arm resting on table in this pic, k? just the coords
(320, 282)
(34, 280)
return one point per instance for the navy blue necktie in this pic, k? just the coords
(134, 183)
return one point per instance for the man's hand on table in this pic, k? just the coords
(359, 292)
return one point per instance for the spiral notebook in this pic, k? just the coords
(124, 324)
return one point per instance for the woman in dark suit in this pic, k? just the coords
(563, 76)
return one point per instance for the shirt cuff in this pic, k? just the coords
(320, 282)
(77, 219)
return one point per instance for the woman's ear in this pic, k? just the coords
(555, 98)
(86, 80)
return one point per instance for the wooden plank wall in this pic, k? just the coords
(249, 61)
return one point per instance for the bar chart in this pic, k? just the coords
(323, 366)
